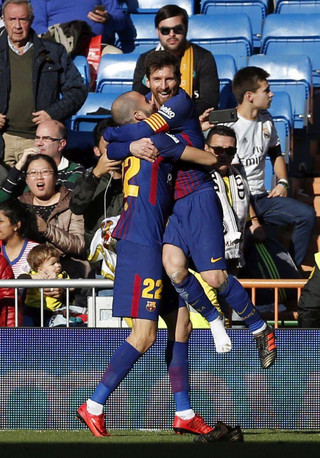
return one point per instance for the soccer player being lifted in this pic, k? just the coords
(195, 227)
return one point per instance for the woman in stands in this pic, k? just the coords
(53, 221)
(14, 247)
(15, 230)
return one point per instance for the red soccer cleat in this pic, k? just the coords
(195, 425)
(95, 423)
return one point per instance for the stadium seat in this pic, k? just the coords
(115, 73)
(292, 74)
(293, 34)
(82, 65)
(218, 34)
(298, 7)
(255, 9)
(147, 6)
(86, 118)
(226, 70)
(281, 112)
(146, 34)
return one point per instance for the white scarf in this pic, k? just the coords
(102, 247)
(235, 217)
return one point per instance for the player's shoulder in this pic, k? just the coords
(264, 115)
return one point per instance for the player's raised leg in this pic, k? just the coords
(191, 291)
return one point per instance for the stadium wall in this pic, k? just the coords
(45, 374)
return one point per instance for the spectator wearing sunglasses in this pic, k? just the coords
(233, 192)
(198, 67)
(50, 139)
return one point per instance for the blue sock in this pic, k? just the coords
(237, 298)
(192, 292)
(120, 364)
(178, 368)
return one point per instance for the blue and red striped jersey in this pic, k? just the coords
(178, 115)
(147, 190)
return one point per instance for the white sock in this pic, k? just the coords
(257, 331)
(220, 336)
(94, 407)
(185, 414)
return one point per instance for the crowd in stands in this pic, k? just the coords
(52, 207)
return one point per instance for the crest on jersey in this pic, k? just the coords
(151, 306)
(266, 133)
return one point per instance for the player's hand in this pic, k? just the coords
(25, 156)
(100, 16)
(105, 165)
(40, 116)
(2, 120)
(144, 149)
(278, 191)
(257, 231)
(204, 119)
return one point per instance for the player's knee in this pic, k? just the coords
(178, 276)
(142, 339)
(215, 278)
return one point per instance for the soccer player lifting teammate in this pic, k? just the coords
(195, 228)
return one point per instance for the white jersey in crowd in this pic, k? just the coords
(254, 138)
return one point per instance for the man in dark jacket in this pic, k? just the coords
(198, 67)
(38, 81)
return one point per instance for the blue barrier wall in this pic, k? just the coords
(46, 373)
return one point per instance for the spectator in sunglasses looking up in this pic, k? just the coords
(199, 76)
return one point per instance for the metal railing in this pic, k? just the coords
(297, 284)
(94, 284)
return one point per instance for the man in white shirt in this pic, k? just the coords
(257, 138)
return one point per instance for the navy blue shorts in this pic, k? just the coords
(196, 226)
(139, 286)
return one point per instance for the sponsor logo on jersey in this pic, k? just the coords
(173, 137)
(213, 260)
(167, 112)
(151, 306)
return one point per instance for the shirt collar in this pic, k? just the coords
(25, 49)
(64, 163)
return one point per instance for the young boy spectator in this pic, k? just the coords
(45, 264)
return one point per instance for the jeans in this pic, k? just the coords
(287, 211)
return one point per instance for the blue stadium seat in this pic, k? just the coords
(82, 65)
(292, 74)
(146, 34)
(115, 73)
(281, 112)
(220, 35)
(298, 7)
(148, 6)
(293, 34)
(86, 119)
(226, 70)
(255, 9)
